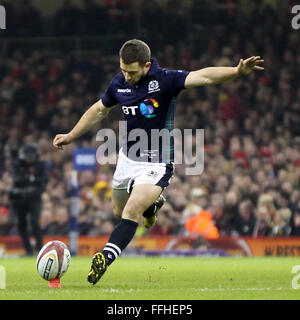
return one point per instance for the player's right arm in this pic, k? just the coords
(89, 119)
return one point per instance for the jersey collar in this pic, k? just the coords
(152, 71)
(154, 67)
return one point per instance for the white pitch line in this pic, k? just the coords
(131, 290)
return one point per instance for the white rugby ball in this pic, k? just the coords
(53, 260)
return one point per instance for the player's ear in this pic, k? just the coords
(148, 65)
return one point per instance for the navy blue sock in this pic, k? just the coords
(119, 239)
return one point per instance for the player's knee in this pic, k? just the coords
(118, 214)
(134, 210)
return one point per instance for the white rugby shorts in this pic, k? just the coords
(130, 173)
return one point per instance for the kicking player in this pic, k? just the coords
(146, 93)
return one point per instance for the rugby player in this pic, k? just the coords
(147, 93)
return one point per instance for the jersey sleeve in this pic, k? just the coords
(108, 98)
(176, 80)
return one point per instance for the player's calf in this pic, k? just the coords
(117, 210)
(119, 200)
(140, 199)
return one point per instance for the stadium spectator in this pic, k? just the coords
(106, 228)
(60, 225)
(4, 221)
(46, 221)
(97, 222)
(281, 222)
(203, 225)
(230, 212)
(295, 223)
(243, 224)
(263, 224)
(84, 223)
(266, 200)
(199, 198)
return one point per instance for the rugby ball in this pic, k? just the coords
(53, 260)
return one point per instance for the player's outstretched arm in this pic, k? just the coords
(216, 75)
(89, 119)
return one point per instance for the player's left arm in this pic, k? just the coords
(216, 75)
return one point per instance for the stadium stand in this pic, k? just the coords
(250, 185)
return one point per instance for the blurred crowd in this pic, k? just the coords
(94, 17)
(250, 182)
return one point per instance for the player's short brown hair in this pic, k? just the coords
(135, 51)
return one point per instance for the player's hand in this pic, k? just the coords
(245, 67)
(60, 140)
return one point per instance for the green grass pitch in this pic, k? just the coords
(158, 278)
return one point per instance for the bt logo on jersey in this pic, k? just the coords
(129, 110)
(147, 108)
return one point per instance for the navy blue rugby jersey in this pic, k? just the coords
(148, 105)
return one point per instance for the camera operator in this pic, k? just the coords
(30, 178)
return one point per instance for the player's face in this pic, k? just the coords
(133, 72)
